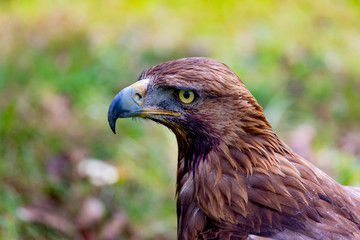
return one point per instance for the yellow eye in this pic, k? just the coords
(186, 96)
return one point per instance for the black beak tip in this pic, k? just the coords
(112, 126)
(112, 120)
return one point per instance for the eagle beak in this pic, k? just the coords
(129, 102)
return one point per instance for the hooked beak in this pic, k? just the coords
(129, 102)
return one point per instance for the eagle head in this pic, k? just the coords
(200, 99)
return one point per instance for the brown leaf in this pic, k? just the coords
(114, 228)
(48, 218)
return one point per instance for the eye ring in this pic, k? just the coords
(186, 96)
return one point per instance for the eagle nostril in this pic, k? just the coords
(138, 98)
(139, 91)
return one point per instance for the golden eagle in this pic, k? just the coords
(235, 176)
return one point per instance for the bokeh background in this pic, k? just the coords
(64, 175)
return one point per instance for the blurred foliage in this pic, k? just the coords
(61, 63)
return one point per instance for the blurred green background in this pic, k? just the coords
(62, 62)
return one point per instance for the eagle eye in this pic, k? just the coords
(186, 96)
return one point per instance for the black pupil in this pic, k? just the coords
(186, 94)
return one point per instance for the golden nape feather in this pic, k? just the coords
(236, 178)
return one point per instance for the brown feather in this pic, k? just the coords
(236, 178)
